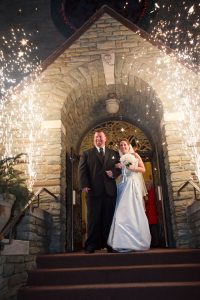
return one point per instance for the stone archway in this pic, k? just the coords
(79, 100)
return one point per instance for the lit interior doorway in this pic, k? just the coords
(115, 131)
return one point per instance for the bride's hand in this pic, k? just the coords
(132, 168)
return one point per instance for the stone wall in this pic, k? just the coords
(13, 274)
(34, 236)
(178, 170)
(193, 215)
(36, 227)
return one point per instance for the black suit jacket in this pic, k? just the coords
(92, 171)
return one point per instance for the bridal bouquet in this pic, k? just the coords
(128, 159)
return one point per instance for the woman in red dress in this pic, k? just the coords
(151, 213)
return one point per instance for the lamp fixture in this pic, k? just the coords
(112, 104)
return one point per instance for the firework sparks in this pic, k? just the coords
(24, 42)
(172, 69)
(21, 116)
(183, 91)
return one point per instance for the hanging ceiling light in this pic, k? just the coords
(112, 104)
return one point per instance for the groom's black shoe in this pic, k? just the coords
(89, 250)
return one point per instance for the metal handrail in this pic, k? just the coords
(195, 187)
(10, 226)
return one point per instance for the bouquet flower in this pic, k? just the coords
(128, 159)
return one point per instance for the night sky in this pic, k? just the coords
(80, 11)
(69, 15)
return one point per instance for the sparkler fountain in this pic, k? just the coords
(20, 115)
(183, 89)
(178, 73)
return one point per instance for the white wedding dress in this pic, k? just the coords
(130, 229)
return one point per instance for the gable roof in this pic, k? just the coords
(91, 21)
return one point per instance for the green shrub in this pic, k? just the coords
(12, 181)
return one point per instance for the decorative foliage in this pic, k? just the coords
(12, 181)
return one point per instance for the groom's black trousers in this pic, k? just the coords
(100, 211)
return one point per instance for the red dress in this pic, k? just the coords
(151, 207)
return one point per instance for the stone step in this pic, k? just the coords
(158, 274)
(151, 257)
(128, 291)
(115, 274)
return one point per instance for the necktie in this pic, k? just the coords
(101, 152)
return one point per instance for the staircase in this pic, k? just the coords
(164, 274)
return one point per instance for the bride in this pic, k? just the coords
(130, 229)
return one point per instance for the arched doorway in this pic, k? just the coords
(116, 130)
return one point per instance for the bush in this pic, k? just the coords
(12, 180)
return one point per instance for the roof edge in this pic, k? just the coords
(106, 9)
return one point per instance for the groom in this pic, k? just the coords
(97, 175)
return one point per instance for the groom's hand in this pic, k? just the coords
(109, 173)
(85, 189)
(118, 166)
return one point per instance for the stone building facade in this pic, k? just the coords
(111, 56)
